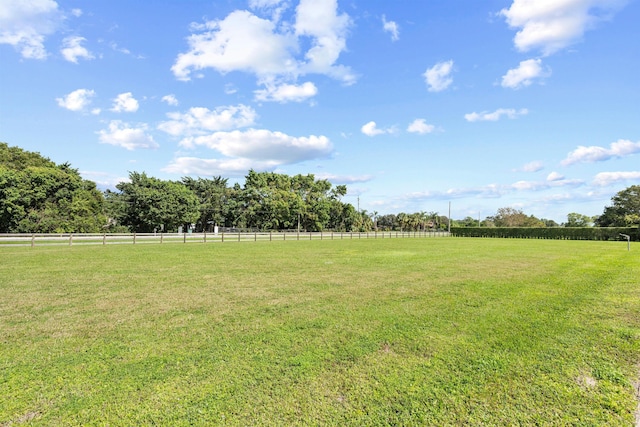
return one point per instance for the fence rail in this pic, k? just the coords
(71, 239)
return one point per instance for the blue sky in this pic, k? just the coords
(414, 104)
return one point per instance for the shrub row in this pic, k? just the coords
(563, 233)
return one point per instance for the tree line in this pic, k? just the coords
(266, 201)
(40, 196)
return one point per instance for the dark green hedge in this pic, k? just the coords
(564, 233)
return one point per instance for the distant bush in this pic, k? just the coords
(562, 233)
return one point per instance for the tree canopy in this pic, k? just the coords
(36, 195)
(274, 201)
(510, 217)
(624, 210)
(266, 201)
(147, 204)
(575, 219)
(15, 158)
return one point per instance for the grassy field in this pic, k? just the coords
(365, 332)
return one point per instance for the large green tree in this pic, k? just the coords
(273, 201)
(38, 196)
(467, 221)
(146, 204)
(269, 201)
(624, 210)
(511, 217)
(578, 220)
(387, 222)
(213, 196)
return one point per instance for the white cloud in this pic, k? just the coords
(104, 180)
(270, 49)
(438, 77)
(495, 115)
(257, 149)
(344, 179)
(420, 126)
(620, 148)
(264, 145)
(124, 50)
(553, 181)
(287, 92)
(115, 47)
(257, 4)
(391, 27)
(555, 176)
(200, 120)
(26, 24)
(319, 20)
(529, 185)
(493, 191)
(551, 25)
(371, 129)
(534, 166)
(213, 167)
(125, 102)
(78, 100)
(275, 7)
(170, 100)
(72, 49)
(525, 74)
(490, 191)
(122, 134)
(607, 178)
(240, 42)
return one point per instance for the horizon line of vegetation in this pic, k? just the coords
(39, 196)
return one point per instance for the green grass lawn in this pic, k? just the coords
(351, 332)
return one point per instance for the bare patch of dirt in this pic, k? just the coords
(587, 381)
(385, 348)
(22, 419)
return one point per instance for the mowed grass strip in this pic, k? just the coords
(364, 332)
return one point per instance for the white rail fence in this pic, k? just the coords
(71, 239)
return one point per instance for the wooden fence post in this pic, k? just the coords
(70, 239)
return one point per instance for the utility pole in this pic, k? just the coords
(358, 204)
